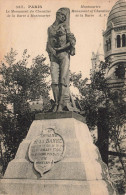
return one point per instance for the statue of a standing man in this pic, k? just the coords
(60, 46)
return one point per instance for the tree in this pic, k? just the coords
(105, 109)
(20, 84)
(90, 98)
(117, 135)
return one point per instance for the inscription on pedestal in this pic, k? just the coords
(45, 150)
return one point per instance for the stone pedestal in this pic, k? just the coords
(76, 167)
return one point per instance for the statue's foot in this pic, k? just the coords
(55, 108)
(69, 107)
(76, 110)
(60, 108)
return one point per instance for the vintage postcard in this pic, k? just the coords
(62, 76)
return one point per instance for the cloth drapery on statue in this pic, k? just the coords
(60, 45)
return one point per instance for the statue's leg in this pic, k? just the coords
(55, 83)
(55, 89)
(62, 89)
(64, 80)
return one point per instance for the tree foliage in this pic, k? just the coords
(20, 83)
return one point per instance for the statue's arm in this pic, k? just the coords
(71, 38)
(63, 47)
(49, 48)
(71, 41)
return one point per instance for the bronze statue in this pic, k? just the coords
(60, 45)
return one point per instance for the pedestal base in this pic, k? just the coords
(54, 187)
(80, 171)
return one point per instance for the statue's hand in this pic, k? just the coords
(72, 51)
(53, 51)
(63, 47)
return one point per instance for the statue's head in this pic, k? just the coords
(63, 15)
(60, 17)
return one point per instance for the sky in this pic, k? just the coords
(30, 33)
